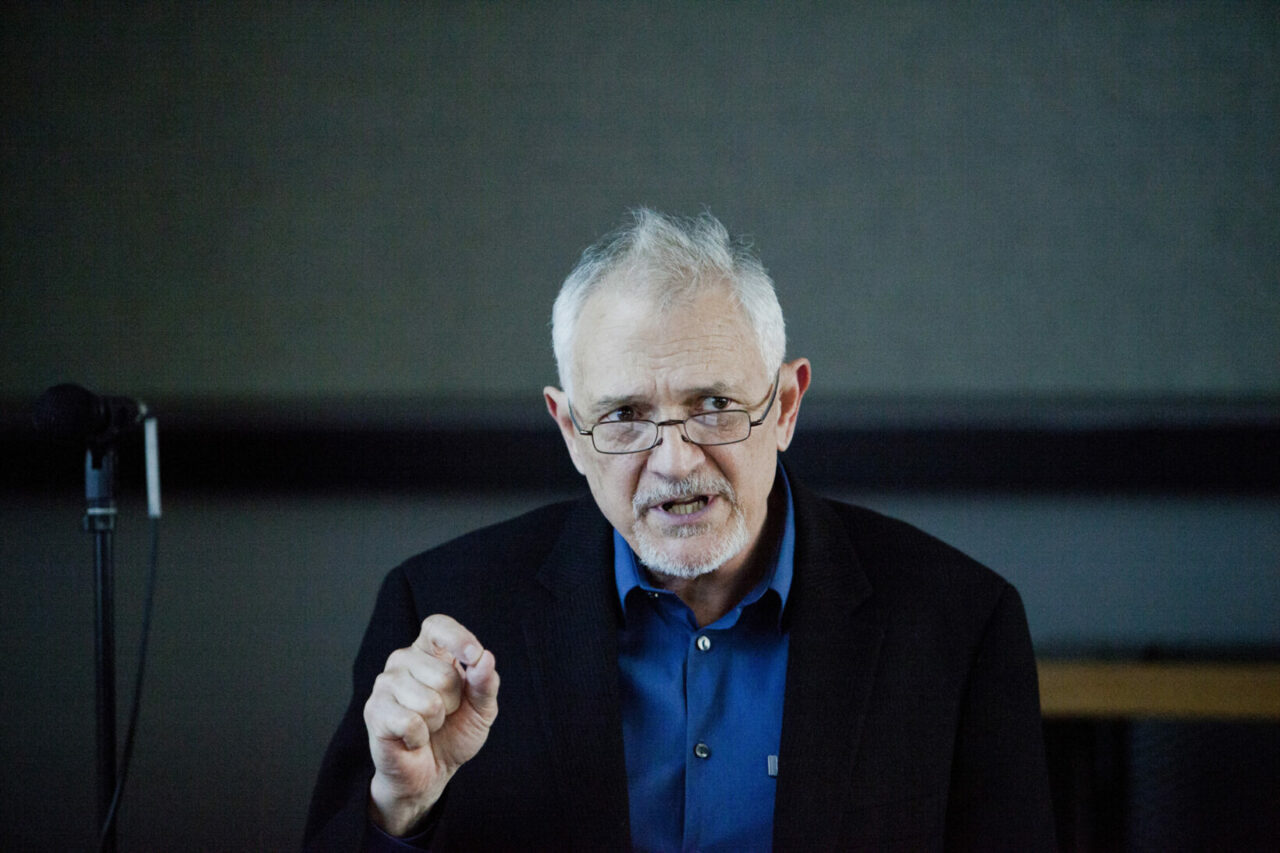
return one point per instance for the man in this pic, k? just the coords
(705, 656)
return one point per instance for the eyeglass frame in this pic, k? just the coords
(680, 422)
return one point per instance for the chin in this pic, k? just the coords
(684, 569)
(678, 557)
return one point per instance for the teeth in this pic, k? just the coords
(686, 508)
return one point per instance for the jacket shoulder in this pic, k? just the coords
(518, 539)
(911, 575)
(485, 575)
(887, 545)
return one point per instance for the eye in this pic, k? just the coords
(715, 404)
(622, 413)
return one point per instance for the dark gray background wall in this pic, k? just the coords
(259, 216)
(296, 199)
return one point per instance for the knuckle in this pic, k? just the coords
(399, 659)
(384, 682)
(374, 710)
(434, 624)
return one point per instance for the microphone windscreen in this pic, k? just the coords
(68, 411)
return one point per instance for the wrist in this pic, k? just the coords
(398, 815)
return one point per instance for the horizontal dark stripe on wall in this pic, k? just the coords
(1202, 458)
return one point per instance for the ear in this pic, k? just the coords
(793, 382)
(558, 407)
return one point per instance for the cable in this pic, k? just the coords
(109, 822)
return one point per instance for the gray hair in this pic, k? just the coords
(670, 259)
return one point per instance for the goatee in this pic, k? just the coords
(651, 544)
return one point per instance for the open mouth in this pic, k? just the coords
(681, 503)
(686, 506)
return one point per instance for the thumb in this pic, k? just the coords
(482, 686)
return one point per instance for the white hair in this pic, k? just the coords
(669, 259)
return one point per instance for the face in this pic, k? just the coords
(685, 509)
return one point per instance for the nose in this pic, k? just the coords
(674, 455)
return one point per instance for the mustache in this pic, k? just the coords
(682, 489)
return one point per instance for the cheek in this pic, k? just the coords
(756, 476)
(612, 481)
(575, 456)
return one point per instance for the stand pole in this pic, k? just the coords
(100, 520)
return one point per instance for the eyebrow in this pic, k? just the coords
(608, 404)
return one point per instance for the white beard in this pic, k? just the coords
(651, 544)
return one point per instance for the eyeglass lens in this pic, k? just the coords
(707, 428)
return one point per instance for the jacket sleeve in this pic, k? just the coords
(999, 796)
(338, 817)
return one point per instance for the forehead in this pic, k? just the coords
(627, 345)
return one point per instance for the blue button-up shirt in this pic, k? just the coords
(702, 708)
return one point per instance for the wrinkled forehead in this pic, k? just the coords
(630, 343)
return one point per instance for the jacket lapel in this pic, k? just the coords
(834, 648)
(572, 637)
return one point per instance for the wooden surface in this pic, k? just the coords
(1074, 688)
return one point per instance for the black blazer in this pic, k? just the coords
(911, 718)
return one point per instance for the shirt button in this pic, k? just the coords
(702, 751)
(704, 643)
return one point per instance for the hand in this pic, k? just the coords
(429, 713)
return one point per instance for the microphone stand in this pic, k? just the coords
(100, 521)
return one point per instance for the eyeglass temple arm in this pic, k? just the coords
(773, 396)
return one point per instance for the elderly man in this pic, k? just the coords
(704, 655)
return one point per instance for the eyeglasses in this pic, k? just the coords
(705, 429)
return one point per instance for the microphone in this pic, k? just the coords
(71, 412)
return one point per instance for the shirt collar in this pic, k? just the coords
(628, 577)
